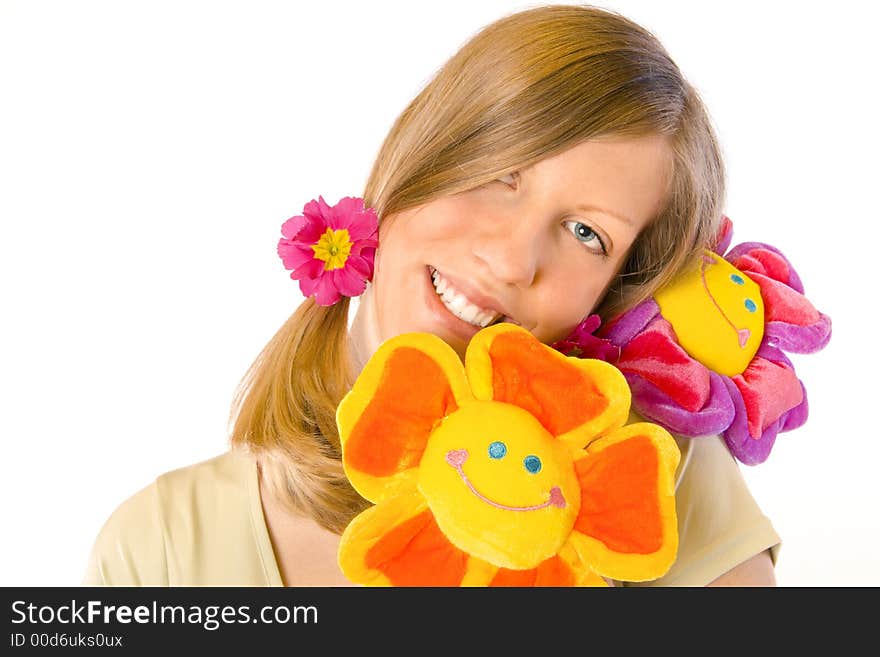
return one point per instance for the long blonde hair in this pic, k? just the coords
(524, 88)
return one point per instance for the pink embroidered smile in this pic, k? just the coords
(457, 457)
(742, 334)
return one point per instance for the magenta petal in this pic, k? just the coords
(346, 213)
(364, 228)
(303, 229)
(317, 211)
(359, 265)
(294, 255)
(308, 285)
(326, 293)
(291, 228)
(311, 269)
(348, 282)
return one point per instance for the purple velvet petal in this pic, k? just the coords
(725, 236)
(797, 416)
(739, 441)
(800, 339)
(793, 281)
(626, 326)
(770, 351)
(656, 406)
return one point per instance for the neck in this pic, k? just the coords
(364, 331)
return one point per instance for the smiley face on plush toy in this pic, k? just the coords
(497, 466)
(717, 313)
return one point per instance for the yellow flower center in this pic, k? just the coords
(333, 248)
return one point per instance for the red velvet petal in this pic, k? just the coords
(784, 304)
(764, 261)
(656, 356)
(768, 390)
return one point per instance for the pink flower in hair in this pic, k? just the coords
(330, 249)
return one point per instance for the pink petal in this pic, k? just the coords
(768, 390)
(763, 261)
(294, 255)
(313, 268)
(783, 304)
(308, 285)
(364, 226)
(345, 212)
(767, 260)
(348, 282)
(327, 293)
(317, 211)
(655, 355)
(303, 229)
(290, 228)
(360, 265)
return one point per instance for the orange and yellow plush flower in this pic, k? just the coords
(515, 469)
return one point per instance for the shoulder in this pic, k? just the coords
(151, 537)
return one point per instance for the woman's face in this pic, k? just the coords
(539, 247)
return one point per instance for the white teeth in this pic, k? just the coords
(459, 305)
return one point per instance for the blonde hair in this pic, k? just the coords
(524, 88)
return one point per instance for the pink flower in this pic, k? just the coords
(583, 344)
(330, 250)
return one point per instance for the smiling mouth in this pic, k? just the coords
(474, 315)
(456, 459)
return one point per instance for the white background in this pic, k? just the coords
(149, 152)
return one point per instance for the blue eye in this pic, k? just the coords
(750, 306)
(736, 278)
(532, 463)
(586, 235)
(497, 450)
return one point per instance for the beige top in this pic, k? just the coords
(203, 525)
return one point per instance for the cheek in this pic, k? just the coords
(574, 293)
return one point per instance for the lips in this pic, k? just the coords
(475, 297)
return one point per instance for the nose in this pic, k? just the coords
(511, 249)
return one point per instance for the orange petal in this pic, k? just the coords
(627, 527)
(563, 569)
(398, 543)
(550, 572)
(411, 383)
(575, 399)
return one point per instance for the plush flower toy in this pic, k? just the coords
(706, 354)
(515, 469)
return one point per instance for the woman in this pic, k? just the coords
(559, 164)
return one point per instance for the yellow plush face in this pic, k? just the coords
(500, 485)
(717, 314)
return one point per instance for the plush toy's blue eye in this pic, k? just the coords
(497, 450)
(736, 278)
(532, 463)
(750, 306)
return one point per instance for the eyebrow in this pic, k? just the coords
(585, 206)
(593, 208)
